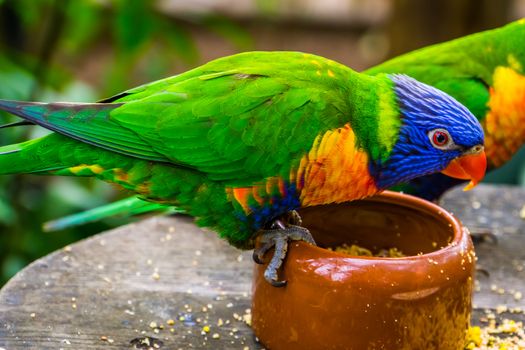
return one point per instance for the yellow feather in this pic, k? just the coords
(505, 121)
(335, 170)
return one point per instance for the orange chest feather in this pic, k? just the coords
(505, 122)
(334, 170)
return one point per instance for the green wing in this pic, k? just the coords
(90, 123)
(239, 125)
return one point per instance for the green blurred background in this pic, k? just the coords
(83, 50)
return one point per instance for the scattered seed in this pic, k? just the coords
(247, 318)
(501, 309)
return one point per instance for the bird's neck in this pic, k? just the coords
(337, 168)
(376, 119)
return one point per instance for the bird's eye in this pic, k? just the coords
(440, 138)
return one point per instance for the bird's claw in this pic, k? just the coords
(258, 254)
(278, 239)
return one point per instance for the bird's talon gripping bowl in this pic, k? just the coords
(258, 253)
(278, 239)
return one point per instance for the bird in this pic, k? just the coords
(486, 73)
(483, 71)
(243, 141)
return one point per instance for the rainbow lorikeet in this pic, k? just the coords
(483, 71)
(486, 73)
(243, 141)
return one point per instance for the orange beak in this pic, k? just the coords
(471, 167)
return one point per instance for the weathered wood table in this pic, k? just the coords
(164, 283)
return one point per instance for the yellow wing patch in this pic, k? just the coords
(83, 168)
(334, 170)
(505, 122)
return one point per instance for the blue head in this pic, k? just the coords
(437, 134)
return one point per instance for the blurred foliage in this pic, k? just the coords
(41, 42)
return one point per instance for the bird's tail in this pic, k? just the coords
(35, 156)
(126, 207)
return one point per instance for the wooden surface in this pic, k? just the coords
(105, 292)
(500, 280)
(117, 289)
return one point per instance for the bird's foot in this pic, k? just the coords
(277, 237)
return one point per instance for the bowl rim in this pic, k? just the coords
(459, 232)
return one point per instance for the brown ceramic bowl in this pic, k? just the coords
(334, 301)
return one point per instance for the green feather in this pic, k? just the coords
(233, 122)
(464, 67)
